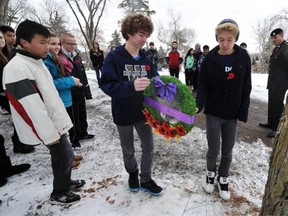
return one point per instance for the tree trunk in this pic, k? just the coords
(3, 11)
(275, 200)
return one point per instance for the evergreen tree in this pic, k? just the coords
(116, 39)
(133, 6)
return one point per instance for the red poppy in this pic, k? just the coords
(180, 130)
(231, 75)
(155, 124)
(165, 125)
(147, 67)
(161, 130)
(171, 133)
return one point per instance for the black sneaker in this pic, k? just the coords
(64, 198)
(133, 181)
(76, 144)
(23, 148)
(75, 184)
(151, 187)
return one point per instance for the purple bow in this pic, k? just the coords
(165, 90)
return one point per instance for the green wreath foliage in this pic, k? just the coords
(183, 99)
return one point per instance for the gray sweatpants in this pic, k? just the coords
(62, 158)
(218, 130)
(147, 144)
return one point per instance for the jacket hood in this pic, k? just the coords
(122, 51)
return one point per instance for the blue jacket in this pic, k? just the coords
(63, 83)
(221, 95)
(118, 74)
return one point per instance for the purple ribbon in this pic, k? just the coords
(165, 90)
(183, 117)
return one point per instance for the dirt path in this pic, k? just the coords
(249, 132)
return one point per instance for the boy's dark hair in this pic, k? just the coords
(206, 47)
(28, 29)
(135, 22)
(5, 28)
(151, 44)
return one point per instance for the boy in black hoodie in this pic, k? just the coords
(224, 93)
(125, 74)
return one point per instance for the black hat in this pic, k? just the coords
(232, 22)
(276, 31)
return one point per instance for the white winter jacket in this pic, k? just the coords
(38, 113)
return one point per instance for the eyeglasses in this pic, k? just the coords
(71, 44)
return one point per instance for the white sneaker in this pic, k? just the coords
(222, 184)
(209, 183)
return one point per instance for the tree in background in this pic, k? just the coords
(116, 39)
(88, 17)
(3, 11)
(173, 31)
(17, 11)
(55, 18)
(133, 6)
(262, 32)
(161, 57)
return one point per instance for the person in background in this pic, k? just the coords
(125, 75)
(9, 35)
(197, 54)
(38, 112)
(224, 93)
(277, 81)
(79, 93)
(6, 167)
(18, 147)
(174, 60)
(243, 45)
(61, 70)
(202, 57)
(97, 58)
(190, 67)
(152, 54)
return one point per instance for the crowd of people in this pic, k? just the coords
(45, 88)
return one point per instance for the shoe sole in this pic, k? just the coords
(154, 194)
(54, 202)
(134, 189)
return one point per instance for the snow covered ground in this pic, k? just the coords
(179, 168)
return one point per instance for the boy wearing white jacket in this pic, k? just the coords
(38, 113)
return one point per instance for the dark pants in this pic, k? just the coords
(174, 72)
(4, 103)
(189, 74)
(218, 130)
(61, 157)
(147, 144)
(98, 74)
(275, 106)
(72, 131)
(195, 79)
(79, 115)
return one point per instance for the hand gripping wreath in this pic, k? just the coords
(169, 107)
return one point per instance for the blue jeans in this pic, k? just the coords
(98, 74)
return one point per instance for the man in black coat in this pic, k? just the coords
(277, 81)
(79, 94)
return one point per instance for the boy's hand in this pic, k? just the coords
(141, 83)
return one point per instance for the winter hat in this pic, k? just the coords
(231, 22)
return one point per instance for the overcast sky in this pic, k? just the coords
(204, 15)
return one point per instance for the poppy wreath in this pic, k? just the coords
(169, 107)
